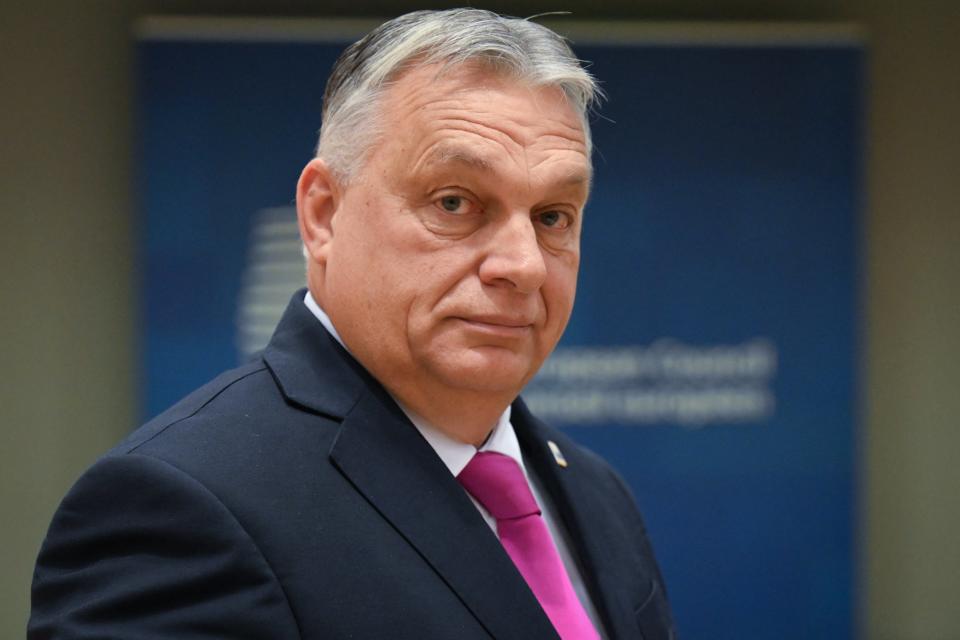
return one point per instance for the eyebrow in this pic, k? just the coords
(452, 154)
(449, 154)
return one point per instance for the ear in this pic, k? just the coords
(318, 197)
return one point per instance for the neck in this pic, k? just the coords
(464, 417)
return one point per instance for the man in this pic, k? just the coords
(334, 488)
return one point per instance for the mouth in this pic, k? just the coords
(503, 326)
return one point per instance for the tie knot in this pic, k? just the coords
(497, 482)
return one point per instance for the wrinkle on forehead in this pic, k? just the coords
(488, 149)
(447, 153)
(444, 153)
(571, 178)
(530, 145)
(484, 121)
(421, 90)
(524, 131)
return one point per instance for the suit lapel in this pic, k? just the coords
(579, 506)
(399, 474)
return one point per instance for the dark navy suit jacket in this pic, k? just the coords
(291, 498)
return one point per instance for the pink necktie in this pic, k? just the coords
(498, 483)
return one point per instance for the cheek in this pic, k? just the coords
(439, 265)
(411, 283)
(560, 288)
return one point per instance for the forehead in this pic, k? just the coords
(432, 109)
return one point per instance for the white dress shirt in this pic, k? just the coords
(503, 439)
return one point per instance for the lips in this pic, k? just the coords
(497, 326)
(514, 322)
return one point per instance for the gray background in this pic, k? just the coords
(68, 314)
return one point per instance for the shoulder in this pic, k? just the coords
(237, 426)
(136, 533)
(219, 400)
(183, 498)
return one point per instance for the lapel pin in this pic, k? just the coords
(557, 454)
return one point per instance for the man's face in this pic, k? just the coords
(453, 256)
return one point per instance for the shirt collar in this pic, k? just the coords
(454, 454)
(323, 318)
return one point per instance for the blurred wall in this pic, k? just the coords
(68, 307)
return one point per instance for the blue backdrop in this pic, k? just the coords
(712, 353)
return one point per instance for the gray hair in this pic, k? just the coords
(517, 48)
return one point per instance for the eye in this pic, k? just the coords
(554, 219)
(454, 204)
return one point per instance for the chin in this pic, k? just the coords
(488, 371)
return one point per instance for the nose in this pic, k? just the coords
(514, 257)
